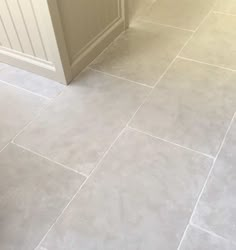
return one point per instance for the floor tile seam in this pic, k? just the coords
(4, 147)
(24, 90)
(223, 13)
(90, 175)
(158, 81)
(211, 233)
(142, 19)
(37, 115)
(170, 142)
(205, 63)
(81, 187)
(121, 78)
(48, 159)
(207, 179)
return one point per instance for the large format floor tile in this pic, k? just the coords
(31, 82)
(183, 14)
(142, 53)
(33, 192)
(214, 42)
(17, 108)
(141, 197)
(3, 66)
(217, 208)
(199, 240)
(192, 106)
(227, 6)
(82, 123)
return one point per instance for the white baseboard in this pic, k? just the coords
(28, 63)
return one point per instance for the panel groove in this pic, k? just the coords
(26, 28)
(13, 23)
(5, 31)
(40, 35)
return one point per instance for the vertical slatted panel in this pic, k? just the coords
(4, 40)
(42, 15)
(20, 25)
(9, 25)
(33, 28)
(20, 29)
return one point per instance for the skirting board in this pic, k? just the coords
(29, 63)
(101, 43)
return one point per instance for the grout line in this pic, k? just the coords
(106, 48)
(173, 143)
(44, 107)
(185, 44)
(205, 63)
(212, 167)
(97, 165)
(30, 122)
(191, 37)
(122, 78)
(207, 179)
(211, 233)
(28, 91)
(80, 188)
(223, 13)
(164, 73)
(142, 19)
(50, 102)
(204, 19)
(4, 147)
(183, 237)
(49, 230)
(119, 135)
(51, 160)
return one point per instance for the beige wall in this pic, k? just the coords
(136, 7)
(84, 20)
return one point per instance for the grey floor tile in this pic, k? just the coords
(192, 106)
(3, 66)
(31, 82)
(183, 14)
(33, 192)
(196, 239)
(142, 53)
(82, 123)
(141, 197)
(214, 42)
(17, 108)
(217, 208)
(227, 6)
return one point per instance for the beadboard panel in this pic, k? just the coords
(18, 17)
(27, 38)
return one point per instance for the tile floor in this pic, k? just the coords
(139, 152)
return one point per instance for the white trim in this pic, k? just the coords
(18, 56)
